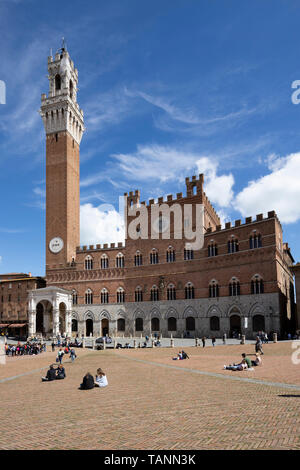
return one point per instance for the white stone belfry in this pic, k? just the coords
(56, 297)
(60, 110)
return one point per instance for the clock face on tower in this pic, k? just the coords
(56, 245)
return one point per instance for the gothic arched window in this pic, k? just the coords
(255, 241)
(154, 256)
(89, 297)
(138, 294)
(154, 294)
(233, 245)
(120, 295)
(170, 255)
(120, 260)
(189, 291)
(257, 285)
(171, 292)
(104, 296)
(234, 287)
(88, 262)
(57, 82)
(138, 259)
(104, 261)
(213, 289)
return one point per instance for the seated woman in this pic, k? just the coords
(257, 361)
(60, 372)
(101, 379)
(87, 382)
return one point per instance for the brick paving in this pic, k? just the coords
(147, 406)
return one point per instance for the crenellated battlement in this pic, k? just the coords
(238, 223)
(100, 247)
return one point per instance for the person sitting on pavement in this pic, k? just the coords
(60, 372)
(178, 357)
(243, 365)
(257, 361)
(184, 355)
(87, 382)
(101, 379)
(51, 374)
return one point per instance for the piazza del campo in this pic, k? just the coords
(189, 326)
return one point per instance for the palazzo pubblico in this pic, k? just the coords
(239, 281)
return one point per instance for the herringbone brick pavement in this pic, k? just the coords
(147, 406)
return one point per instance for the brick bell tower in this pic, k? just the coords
(63, 121)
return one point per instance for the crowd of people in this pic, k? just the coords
(29, 348)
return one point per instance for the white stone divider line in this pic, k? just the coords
(216, 374)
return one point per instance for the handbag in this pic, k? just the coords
(57, 360)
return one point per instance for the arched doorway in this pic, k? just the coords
(74, 325)
(139, 324)
(172, 324)
(39, 318)
(89, 327)
(121, 324)
(258, 323)
(155, 324)
(215, 323)
(105, 327)
(235, 326)
(190, 324)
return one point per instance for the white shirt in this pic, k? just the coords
(102, 381)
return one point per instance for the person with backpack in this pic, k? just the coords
(72, 354)
(60, 355)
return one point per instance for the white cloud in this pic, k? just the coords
(218, 188)
(163, 163)
(102, 224)
(279, 190)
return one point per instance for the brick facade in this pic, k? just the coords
(241, 275)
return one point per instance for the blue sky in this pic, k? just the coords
(169, 89)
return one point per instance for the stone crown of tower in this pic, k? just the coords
(60, 110)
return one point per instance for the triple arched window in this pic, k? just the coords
(88, 296)
(188, 254)
(212, 249)
(189, 291)
(213, 289)
(257, 285)
(171, 292)
(104, 296)
(120, 261)
(233, 245)
(138, 259)
(154, 256)
(154, 296)
(88, 262)
(234, 287)
(104, 262)
(138, 294)
(120, 295)
(170, 255)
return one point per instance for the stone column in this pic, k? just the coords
(32, 323)
(68, 322)
(55, 321)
